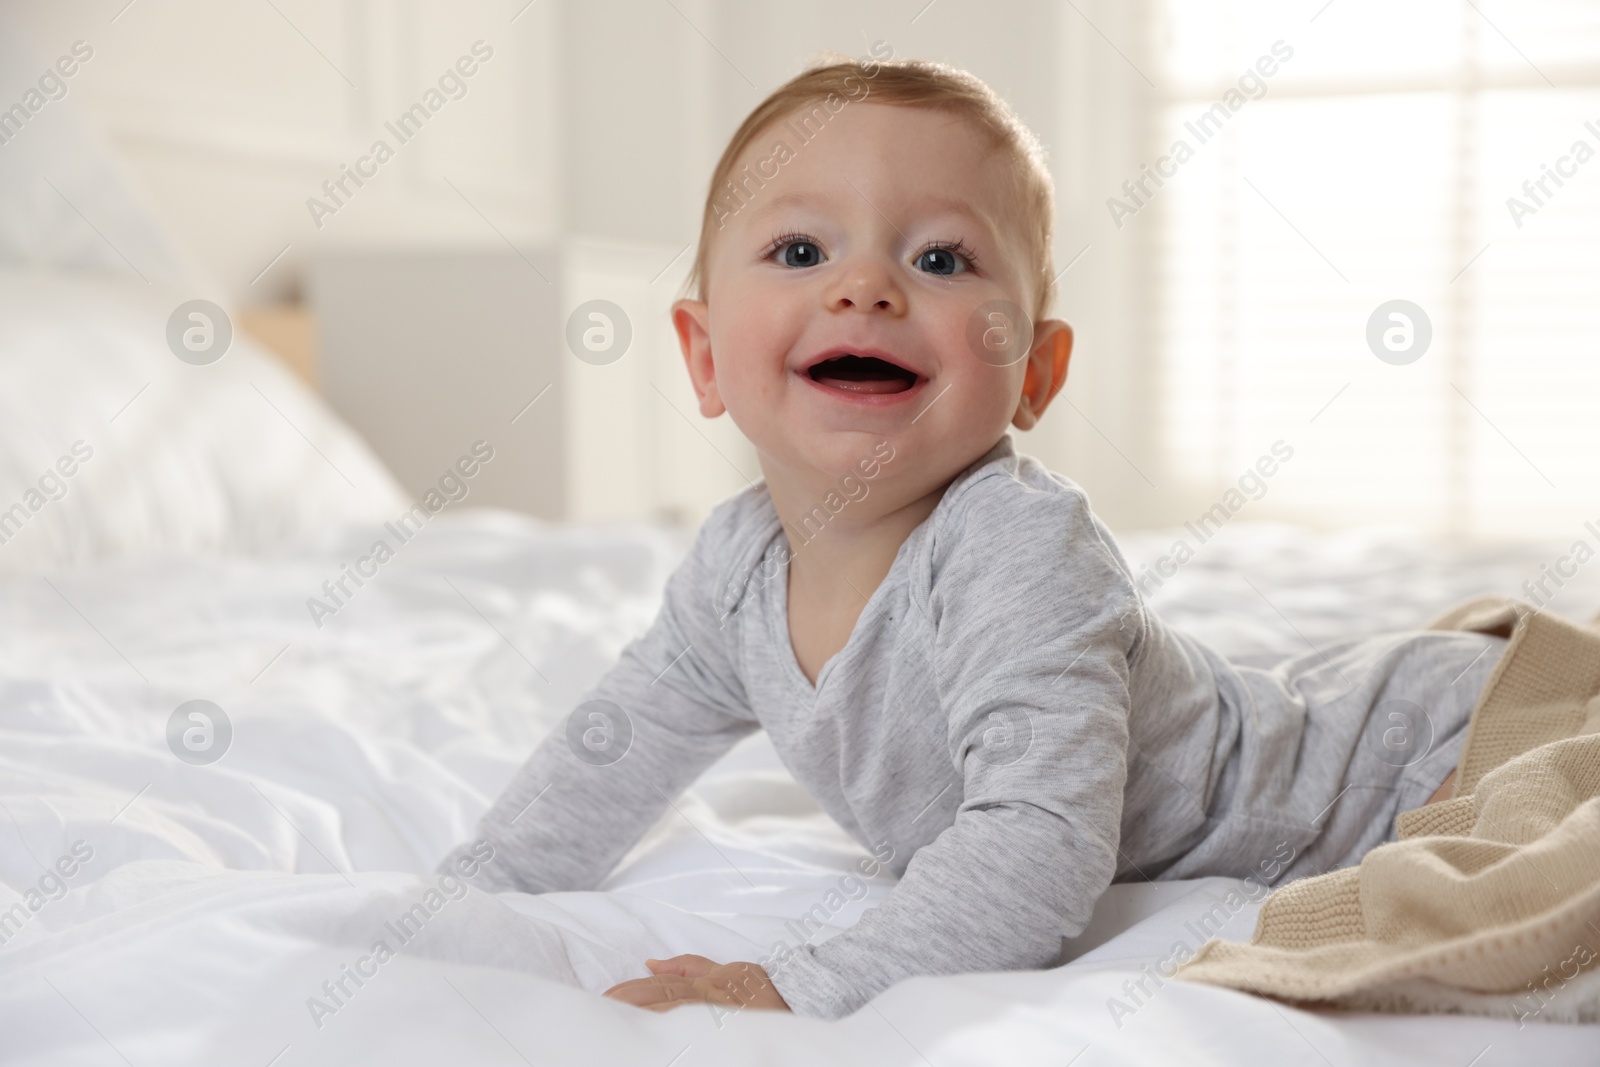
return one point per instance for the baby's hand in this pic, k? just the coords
(692, 979)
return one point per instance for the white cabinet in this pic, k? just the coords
(427, 350)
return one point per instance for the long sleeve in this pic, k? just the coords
(601, 778)
(1036, 624)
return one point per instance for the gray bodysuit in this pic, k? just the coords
(1008, 720)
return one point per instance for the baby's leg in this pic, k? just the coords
(1445, 791)
(1330, 746)
(1416, 726)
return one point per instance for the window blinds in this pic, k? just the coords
(1445, 154)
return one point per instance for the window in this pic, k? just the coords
(1446, 154)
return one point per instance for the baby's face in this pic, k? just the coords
(841, 295)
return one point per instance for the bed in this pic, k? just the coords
(171, 896)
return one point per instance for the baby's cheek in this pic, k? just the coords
(992, 392)
(751, 350)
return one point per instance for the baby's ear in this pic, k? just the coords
(1046, 371)
(692, 320)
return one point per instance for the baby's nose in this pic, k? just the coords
(866, 287)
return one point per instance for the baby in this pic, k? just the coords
(944, 644)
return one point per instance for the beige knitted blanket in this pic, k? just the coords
(1488, 903)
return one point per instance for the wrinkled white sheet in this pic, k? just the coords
(220, 898)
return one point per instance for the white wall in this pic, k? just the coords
(231, 119)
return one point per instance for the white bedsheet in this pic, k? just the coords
(220, 898)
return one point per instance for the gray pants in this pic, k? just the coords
(1334, 744)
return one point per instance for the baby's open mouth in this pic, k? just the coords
(863, 374)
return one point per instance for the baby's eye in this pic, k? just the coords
(942, 261)
(800, 253)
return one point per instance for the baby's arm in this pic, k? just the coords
(574, 809)
(1036, 623)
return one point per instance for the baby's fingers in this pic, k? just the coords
(661, 990)
(688, 966)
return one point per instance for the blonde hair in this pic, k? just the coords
(905, 83)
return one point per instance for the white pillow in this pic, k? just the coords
(112, 447)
